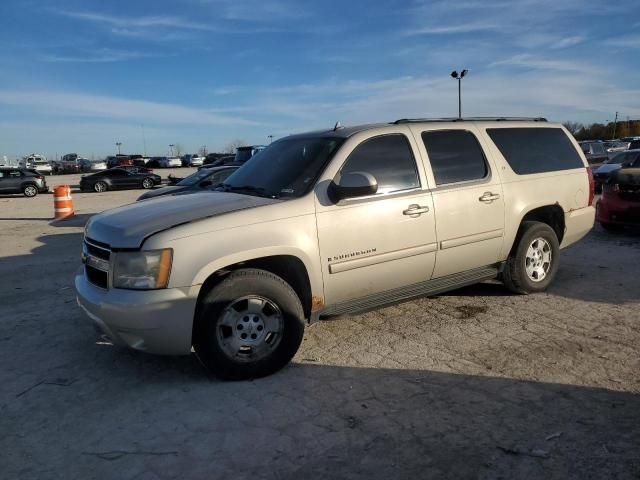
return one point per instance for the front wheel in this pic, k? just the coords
(533, 262)
(147, 183)
(100, 187)
(249, 325)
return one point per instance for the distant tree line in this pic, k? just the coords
(601, 131)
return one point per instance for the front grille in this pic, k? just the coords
(97, 277)
(97, 268)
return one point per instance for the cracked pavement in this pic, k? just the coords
(476, 383)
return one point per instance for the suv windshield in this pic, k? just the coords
(194, 178)
(287, 168)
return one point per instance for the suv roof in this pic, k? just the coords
(345, 132)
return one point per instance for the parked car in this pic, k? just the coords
(595, 153)
(630, 158)
(245, 153)
(118, 161)
(38, 163)
(87, 165)
(219, 161)
(332, 222)
(634, 144)
(118, 178)
(170, 162)
(195, 182)
(22, 180)
(192, 160)
(619, 205)
(615, 147)
(135, 169)
(212, 157)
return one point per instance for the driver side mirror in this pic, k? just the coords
(351, 185)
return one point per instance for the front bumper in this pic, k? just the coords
(154, 321)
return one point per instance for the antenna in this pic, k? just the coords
(337, 126)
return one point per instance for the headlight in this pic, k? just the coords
(145, 270)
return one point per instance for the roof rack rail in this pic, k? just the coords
(471, 119)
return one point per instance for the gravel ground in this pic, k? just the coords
(477, 383)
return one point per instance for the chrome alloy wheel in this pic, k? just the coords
(538, 259)
(250, 329)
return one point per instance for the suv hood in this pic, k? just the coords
(130, 225)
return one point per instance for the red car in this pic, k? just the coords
(619, 205)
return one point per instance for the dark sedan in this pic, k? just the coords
(117, 179)
(207, 177)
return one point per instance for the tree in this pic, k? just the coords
(573, 127)
(232, 146)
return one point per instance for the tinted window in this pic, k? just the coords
(535, 150)
(287, 168)
(598, 148)
(389, 159)
(116, 172)
(455, 156)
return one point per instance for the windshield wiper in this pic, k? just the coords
(248, 189)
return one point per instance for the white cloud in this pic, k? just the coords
(567, 42)
(455, 28)
(97, 106)
(627, 41)
(534, 62)
(103, 55)
(122, 22)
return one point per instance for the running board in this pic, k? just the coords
(430, 287)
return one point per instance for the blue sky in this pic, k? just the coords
(79, 75)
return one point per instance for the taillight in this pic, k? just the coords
(592, 186)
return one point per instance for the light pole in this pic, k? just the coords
(171, 145)
(459, 77)
(118, 145)
(615, 126)
(270, 137)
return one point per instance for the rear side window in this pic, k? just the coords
(535, 150)
(389, 159)
(455, 156)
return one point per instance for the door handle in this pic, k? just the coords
(488, 197)
(415, 209)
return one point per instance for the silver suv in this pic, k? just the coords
(334, 222)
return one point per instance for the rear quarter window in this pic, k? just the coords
(535, 150)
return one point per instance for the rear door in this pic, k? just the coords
(467, 198)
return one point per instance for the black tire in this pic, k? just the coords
(147, 183)
(100, 187)
(515, 276)
(30, 190)
(612, 227)
(207, 341)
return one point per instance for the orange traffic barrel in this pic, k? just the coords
(62, 202)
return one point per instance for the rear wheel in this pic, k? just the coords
(147, 183)
(249, 325)
(533, 262)
(30, 191)
(100, 187)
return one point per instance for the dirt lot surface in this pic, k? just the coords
(477, 383)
